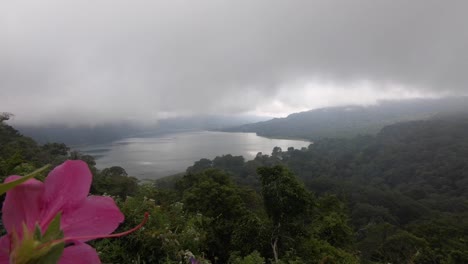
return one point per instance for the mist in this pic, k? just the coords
(102, 62)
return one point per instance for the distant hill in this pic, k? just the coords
(348, 121)
(82, 135)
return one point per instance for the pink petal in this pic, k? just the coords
(22, 204)
(4, 250)
(80, 253)
(66, 187)
(97, 216)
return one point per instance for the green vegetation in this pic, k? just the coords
(400, 196)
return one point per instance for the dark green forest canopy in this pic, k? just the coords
(410, 176)
(399, 196)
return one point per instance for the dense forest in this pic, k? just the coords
(400, 196)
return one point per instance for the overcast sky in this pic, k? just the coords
(98, 61)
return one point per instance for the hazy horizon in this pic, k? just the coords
(88, 62)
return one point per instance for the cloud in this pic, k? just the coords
(106, 61)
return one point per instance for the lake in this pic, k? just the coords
(158, 156)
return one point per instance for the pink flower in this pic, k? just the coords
(65, 191)
(194, 261)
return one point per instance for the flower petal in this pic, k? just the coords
(4, 250)
(98, 216)
(66, 187)
(22, 204)
(79, 253)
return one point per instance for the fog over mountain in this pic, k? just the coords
(352, 120)
(96, 62)
(356, 116)
(85, 134)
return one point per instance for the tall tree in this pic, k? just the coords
(287, 203)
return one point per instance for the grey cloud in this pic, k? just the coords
(101, 61)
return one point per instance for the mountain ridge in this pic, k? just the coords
(351, 120)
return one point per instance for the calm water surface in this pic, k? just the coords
(155, 157)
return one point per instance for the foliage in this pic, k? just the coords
(253, 258)
(115, 181)
(400, 196)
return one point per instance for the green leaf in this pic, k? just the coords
(53, 232)
(7, 186)
(53, 255)
(37, 233)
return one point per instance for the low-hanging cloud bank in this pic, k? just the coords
(107, 61)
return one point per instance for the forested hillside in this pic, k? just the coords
(397, 197)
(406, 188)
(350, 121)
